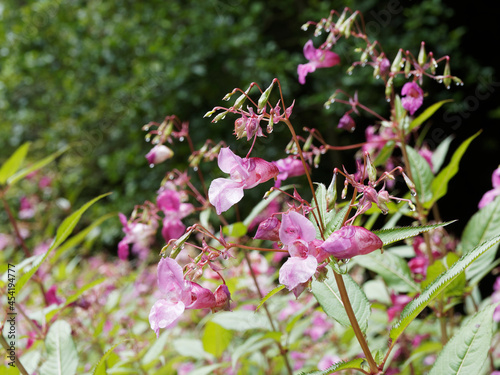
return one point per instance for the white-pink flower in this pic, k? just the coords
(318, 58)
(413, 97)
(243, 174)
(159, 154)
(490, 195)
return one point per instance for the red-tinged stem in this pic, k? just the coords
(308, 175)
(283, 351)
(16, 228)
(255, 248)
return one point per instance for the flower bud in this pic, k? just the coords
(209, 113)
(264, 97)
(159, 154)
(268, 229)
(220, 116)
(350, 241)
(447, 74)
(222, 298)
(396, 64)
(422, 56)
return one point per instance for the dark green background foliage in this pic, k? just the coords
(91, 73)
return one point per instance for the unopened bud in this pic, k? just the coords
(447, 74)
(220, 116)
(396, 64)
(422, 56)
(209, 113)
(239, 102)
(269, 229)
(316, 160)
(372, 171)
(350, 241)
(331, 192)
(344, 192)
(410, 184)
(307, 143)
(228, 96)
(270, 124)
(389, 88)
(407, 68)
(264, 97)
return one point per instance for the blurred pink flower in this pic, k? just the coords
(288, 167)
(169, 202)
(346, 122)
(244, 174)
(139, 235)
(399, 301)
(413, 97)
(320, 325)
(318, 58)
(327, 361)
(490, 195)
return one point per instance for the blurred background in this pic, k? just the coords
(89, 74)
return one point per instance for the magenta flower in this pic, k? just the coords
(244, 174)
(413, 97)
(268, 229)
(346, 122)
(179, 295)
(159, 154)
(490, 195)
(318, 58)
(288, 167)
(169, 201)
(350, 241)
(399, 301)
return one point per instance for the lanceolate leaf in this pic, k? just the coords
(427, 114)
(269, 295)
(62, 233)
(100, 368)
(328, 296)
(334, 220)
(483, 225)
(12, 164)
(393, 269)
(353, 364)
(391, 235)
(421, 173)
(62, 357)
(468, 349)
(414, 308)
(36, 166)
(439, 185)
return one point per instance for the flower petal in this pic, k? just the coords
(163, 313)
(295, 226)
(297, 270)
(224, 193)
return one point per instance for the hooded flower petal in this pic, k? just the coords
(159, 154)
(350, 241)
(163, 313)
(268, 229)
(201, 298)
(318, 58)
(296, 271)
(295, 226)
(171, 280)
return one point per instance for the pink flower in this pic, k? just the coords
(159, 154)
(490, 195)
(350, 241)
(413, 97)
(268, 229)
(318, 58)
(140, 235)
(180, 294)
(320, 325)
(244, 174)
(298, 234)
(398, 304)
(327, 361)
(346, 122)
(169, 201)
(288, 167)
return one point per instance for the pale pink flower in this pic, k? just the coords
(169, 202)
(399, 301)
(268, 229)
(139, 235)
(318, 58)
(346, 122)
(490, 195)
(350, 241)
(179, 295)
(413, 97)
(320, 325)
(327, 361)
(159, 154)
(244, 174)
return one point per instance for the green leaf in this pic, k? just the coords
(192, 348)
(216, 339)
(253, 344)
(439, 186)
(468, 349)
(384, 154)
(439, 154)
(74, 297)
(155, 350)
(328, 296)
(279, 288)
(352, 364)
(392, 268)
(62, 358)
(100, 367)
(426, 114)
(235, 230)
(36, 166)
(13, 163)
(334, 219)
(421, 173)
(391, 235)
(483, 225)
(415, 306)
(242, 320)
(62, 233)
